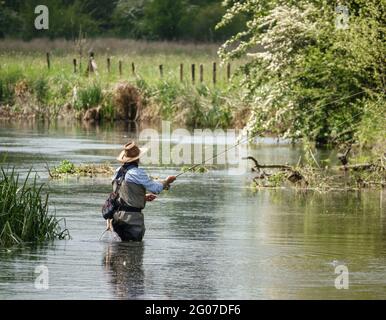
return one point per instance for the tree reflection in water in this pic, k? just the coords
(123, 261)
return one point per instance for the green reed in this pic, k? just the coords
(24, 214)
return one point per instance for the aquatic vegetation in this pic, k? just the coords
(67, 168)
(24, 214)
(198, 169)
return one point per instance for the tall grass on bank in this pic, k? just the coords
(29, 89)
(49, 93)
(24, 216)
(89, 96)
(197, 107)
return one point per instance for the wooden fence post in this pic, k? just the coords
(229, 71)
(201, 73)
(120, 68)
(193, 73)
(161, 71)
(48, 60)
(74, 63)
(108, 65)
(90, 67)
(181, 72)
(133, 68)
(214, 72)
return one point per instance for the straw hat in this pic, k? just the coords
(131, 152)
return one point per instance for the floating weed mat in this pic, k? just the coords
(24, 216)
(67, 168)
(198, 169)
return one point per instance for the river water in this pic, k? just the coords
(210, 237)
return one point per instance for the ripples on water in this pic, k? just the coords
(209, 237)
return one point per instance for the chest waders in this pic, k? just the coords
(128, 221)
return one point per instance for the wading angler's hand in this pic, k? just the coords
(170, 179)
(150, 197)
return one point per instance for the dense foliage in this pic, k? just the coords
(310, 73)
(145, 19)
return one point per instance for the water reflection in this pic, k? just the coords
(18, 265)
(124, 262)
(209, 237)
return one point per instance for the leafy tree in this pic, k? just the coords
(9, 21)
(163, 18)
(100, 12)
(128, 18)
(199, 21)
(64, 21)
(149, 19)
(311, 79)
(12, 4)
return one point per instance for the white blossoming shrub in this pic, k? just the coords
(305, 76)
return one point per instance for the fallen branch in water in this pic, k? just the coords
(48, 169)
(293, 175)
(259, 166)
(309, 177)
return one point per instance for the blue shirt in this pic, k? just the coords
(139, 176)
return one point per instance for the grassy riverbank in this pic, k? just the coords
(28, 87)
(31, 89)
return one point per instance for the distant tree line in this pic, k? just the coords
(193, 20)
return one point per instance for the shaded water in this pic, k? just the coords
(209, 237)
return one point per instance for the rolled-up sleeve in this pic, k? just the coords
(139, 176)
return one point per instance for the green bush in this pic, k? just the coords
(41, 90)
(8, 80)
(166, 93)
(10, 22)
(89, 97)
(199, 22)
(108, 108)
(163, 17)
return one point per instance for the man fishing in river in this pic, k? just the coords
(128, 220)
